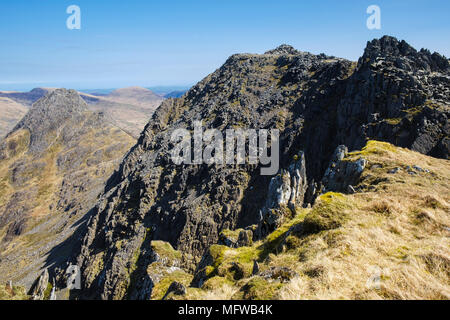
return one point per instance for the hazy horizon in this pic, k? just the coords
(155, 89)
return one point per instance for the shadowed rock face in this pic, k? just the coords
(400, 95)
(53, 165)
(318, 102)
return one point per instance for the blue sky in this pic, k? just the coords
(177, 43)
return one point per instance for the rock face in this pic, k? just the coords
(286, 192)
(39, 288)
(317, 102)
(53, 165)
(400, 95)
(341, 175)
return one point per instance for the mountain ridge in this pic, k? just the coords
(52, 167)
(317, 101)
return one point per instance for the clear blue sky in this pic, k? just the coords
(150, 43)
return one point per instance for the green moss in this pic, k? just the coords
(165, 250)
(276, 238)
(412, 112)
(431, 104)
(160, 288)
(329, 213)
(374, 147)
(48, 291)
(217, 253)
(247, 254)
(209, 271)
(233, 235)
(393, 121)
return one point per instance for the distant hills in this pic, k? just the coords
(129, 108)
(10, 113)
(53, 165)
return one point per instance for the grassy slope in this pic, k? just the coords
(46, 225)
(10, 114)
(396, 230)
(16, 293)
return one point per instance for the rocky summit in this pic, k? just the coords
(156, 220)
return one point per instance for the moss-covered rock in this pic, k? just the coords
(166, 252)
(329, 213)
(160, 288)
(236, 238)
(216, 282)
(258, 288)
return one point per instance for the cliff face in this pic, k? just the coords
(393, 93)
(53, 165)
(400, 95)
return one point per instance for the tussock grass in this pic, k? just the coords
(390, 241)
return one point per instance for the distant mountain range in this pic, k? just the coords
(53, 164)
(129, 108)
(164, 91)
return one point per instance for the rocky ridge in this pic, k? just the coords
(394, 93)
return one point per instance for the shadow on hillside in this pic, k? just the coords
(66, 251)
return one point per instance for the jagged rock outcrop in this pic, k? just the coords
(393, 93)
(399, 95)
(38, 290)
(237, 238)
(286, 192)
(342, 175)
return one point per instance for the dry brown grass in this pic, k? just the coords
(10, 114)
(42, 188)
(394, 243)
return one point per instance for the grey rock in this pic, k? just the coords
(394, 170)
(342, 175)
(38, 290)
(351, 190)
(318, 102)
(286, 191)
